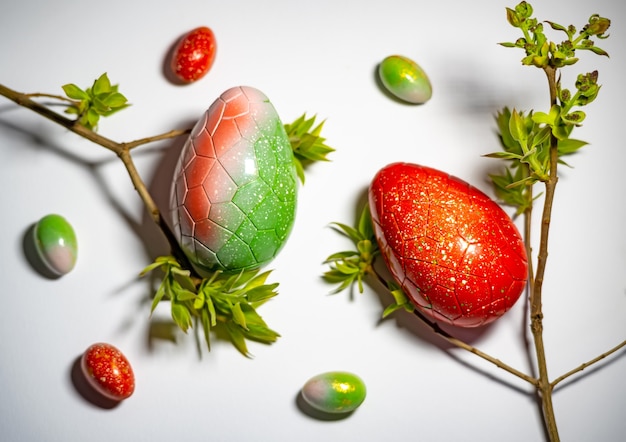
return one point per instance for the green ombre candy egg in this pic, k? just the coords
(233, 198)
(405, 79)
(334, 392)
(55, 242)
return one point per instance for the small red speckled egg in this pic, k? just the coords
(108, 371)
(194, 55)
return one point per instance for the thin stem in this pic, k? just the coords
(581, 367)
(528, 220)
(536, 313)
(171, 134)
(54, 96)
(459, 343)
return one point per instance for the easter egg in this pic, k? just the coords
(334, 392)
(55, 242)
(108, 371)
(194, 54)
(405, 79)
(454, 251)
(234, 190)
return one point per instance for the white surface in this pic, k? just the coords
(318, 58)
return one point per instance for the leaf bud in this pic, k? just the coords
(513, 18)
(524, 9)
(597, 26)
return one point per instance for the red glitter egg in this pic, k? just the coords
(194, 54)
(455, 252)
(108, 371)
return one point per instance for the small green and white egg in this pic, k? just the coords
(405, 79)
(334, 392)
(55, 242)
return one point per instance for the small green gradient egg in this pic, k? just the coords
(56, 245)
(405, 79)
(334, 392)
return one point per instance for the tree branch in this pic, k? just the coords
(587, 364)
(122, 150)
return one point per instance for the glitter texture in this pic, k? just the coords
(108, 371)
(234, 192)
(405, 79)
(334, 392)
(454, 251)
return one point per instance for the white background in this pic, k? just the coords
(320, 58)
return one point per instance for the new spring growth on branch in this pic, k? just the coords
(526, 137)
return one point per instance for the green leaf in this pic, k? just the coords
(504, 155)
(181, 316)
(307, 143)
(339, 256)
(261, 294)
(350, 232)
(150, 268)
(211, 310)
(183, 295)
(102, 85)
(517, 128)
(238, 316)
(596, 50)
(542, 136)
(261, 333)
(158, 296)
(569, 146)
(74, 92)
(513, 18)
(114, 100)
(237, 338)
(206, 327)
(183, 277)
(365, 226)
(92, 117)
(198, 303)
(557, 26)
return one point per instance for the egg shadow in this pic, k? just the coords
(29, 248)
(160, 187)
(316, 414)
(166, 65)
(86, 390)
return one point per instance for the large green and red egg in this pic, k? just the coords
(235, 188)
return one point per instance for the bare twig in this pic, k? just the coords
(581, 367)
(458, 342)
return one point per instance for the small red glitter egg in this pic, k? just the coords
(194, 54)
(108, 371)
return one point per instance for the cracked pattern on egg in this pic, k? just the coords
(234, 191)
(457, 255)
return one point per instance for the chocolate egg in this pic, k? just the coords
(334, 392)
(108, 371)
(55, 242)
(405, 79)
(234, 191)
(455, 252)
